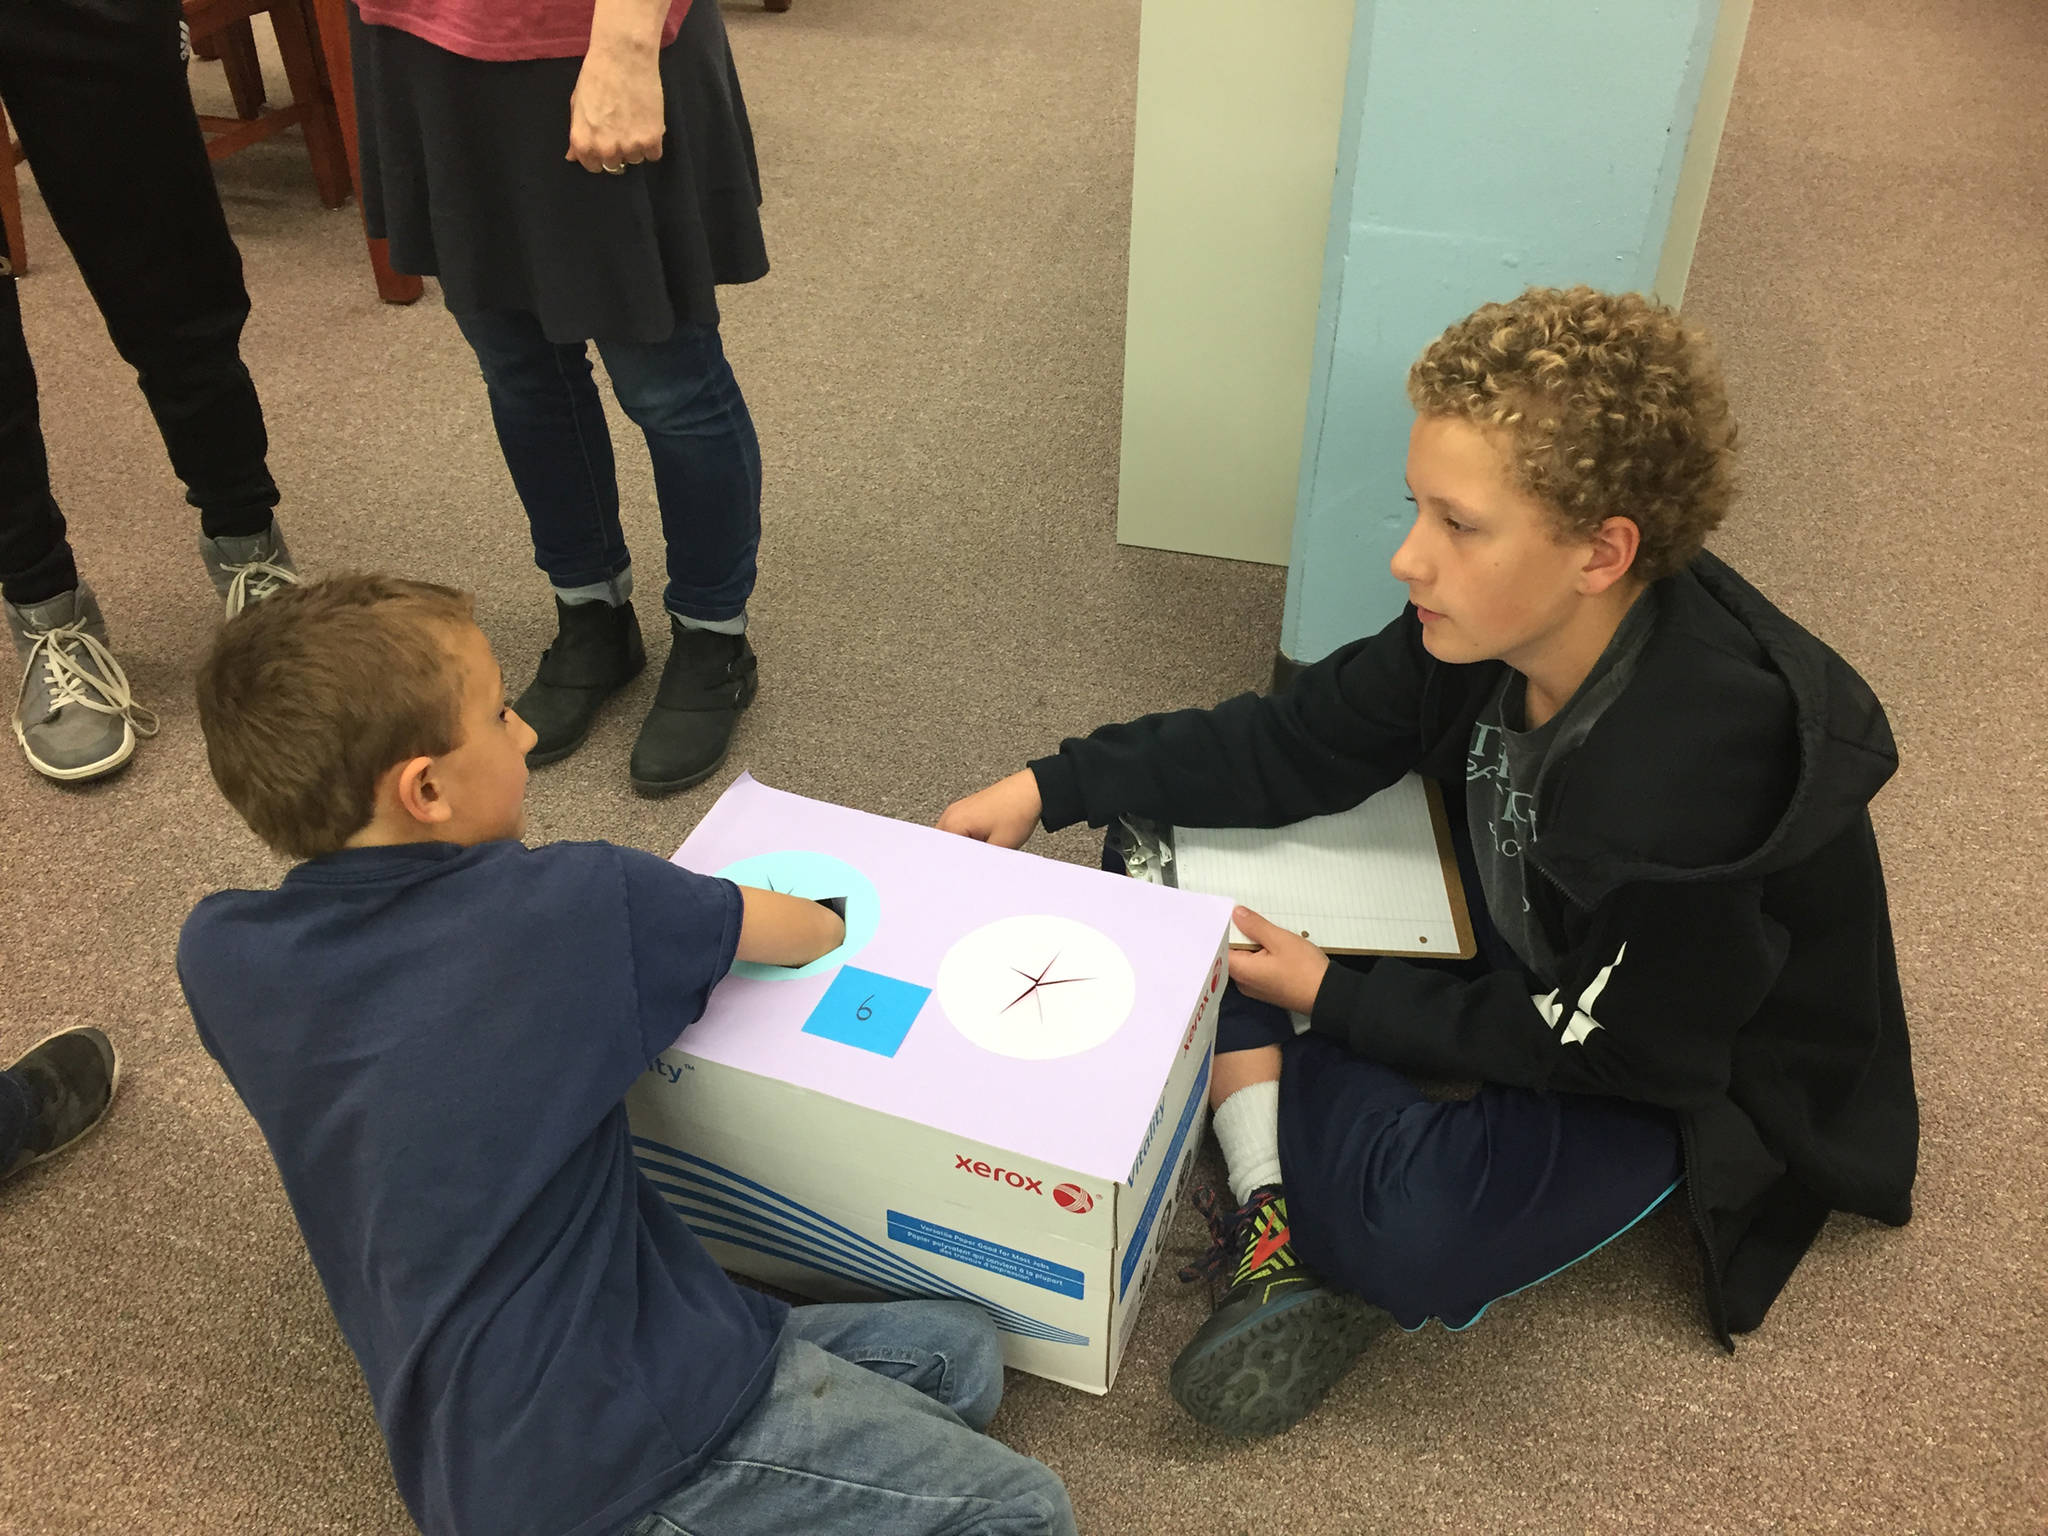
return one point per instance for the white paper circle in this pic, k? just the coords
(1036, 988)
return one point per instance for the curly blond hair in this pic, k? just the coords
(1610, 407)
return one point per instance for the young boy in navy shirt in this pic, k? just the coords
(435, 1026)
(1658, 784)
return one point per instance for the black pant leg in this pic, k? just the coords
(17, 1114)
(118, 157)
(35, 559)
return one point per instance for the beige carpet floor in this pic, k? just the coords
(934, 365)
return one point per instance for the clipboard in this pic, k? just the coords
(1379, 879)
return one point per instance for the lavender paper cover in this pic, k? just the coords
(1087, 1111)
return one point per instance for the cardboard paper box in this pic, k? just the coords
(992, 1091)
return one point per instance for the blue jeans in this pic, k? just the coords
(872, 1424)
(707, 461)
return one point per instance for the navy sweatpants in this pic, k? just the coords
(1440, 1208)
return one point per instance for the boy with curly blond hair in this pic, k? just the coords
(1660, 789)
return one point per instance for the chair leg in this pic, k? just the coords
(309, 89)
(236, 47)
(10, 208)
(331, 17)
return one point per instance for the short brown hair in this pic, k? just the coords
(1610, 406)
(312, 693)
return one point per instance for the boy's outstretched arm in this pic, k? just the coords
(1005, 813)
(786, 930)
(1349, 725)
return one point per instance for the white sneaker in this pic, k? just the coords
(76, 718)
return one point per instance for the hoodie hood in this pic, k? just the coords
(1767, 745)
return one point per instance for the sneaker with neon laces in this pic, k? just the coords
(67, 1081)
(247, 570)
(75, 718)
(1279, 1338)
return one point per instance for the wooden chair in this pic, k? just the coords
(224, 24)
(234, 49)
(331, 17)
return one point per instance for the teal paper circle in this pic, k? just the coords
(797, 872)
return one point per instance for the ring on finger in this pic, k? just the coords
(614, 170)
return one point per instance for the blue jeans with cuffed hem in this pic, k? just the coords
(682, 395)
(872, 1424)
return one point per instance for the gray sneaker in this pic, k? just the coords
(76, 718)
(247, 570)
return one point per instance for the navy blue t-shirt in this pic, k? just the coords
(436, 1042)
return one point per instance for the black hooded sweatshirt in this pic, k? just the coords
(1706, 856)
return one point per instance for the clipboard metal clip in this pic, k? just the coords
(1144, 848)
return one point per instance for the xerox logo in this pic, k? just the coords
(1072, 1197)
(1008, 1176)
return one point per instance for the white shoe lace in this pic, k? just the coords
(70, 682)
(255, 581)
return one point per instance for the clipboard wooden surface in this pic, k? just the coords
(1379, 879)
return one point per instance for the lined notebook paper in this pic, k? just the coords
(1379, 879)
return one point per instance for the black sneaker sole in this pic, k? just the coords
(1268, 1374)
(655, 789)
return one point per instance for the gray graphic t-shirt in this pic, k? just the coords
(1507, 768)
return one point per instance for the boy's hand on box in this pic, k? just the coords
(1285, 969)
(1004, 814)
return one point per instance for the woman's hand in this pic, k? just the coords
(615, 113)
(1285, 969)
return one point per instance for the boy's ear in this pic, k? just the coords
(1612, 556)
(418, 793)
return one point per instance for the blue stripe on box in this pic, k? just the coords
(1159, 1185)
(717, 1203)
(867, 1010)
(983, 1254)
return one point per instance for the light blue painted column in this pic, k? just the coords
(1486, 145)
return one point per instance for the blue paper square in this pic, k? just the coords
(866, 1010)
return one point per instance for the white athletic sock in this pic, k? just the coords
(1248, 1125)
